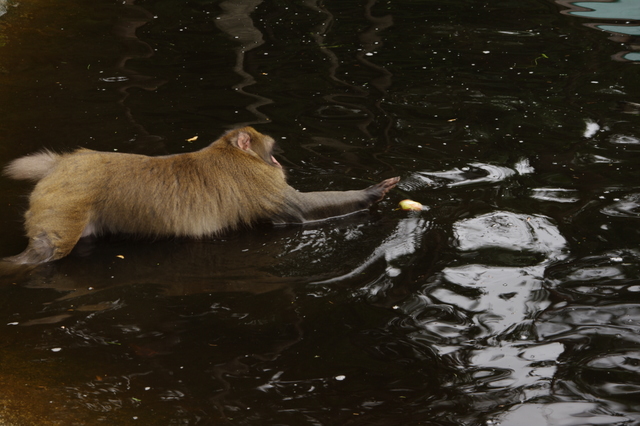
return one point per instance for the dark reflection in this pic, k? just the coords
(255, 261)
(235, 20)
(126, 78)
(162, 306)
(205, 327)
(371, 43)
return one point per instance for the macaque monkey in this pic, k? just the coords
(233, 182)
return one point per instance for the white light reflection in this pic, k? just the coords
(404, 240)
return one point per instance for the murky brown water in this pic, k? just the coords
(514, 299)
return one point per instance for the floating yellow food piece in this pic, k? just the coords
(195, 138)
(410, 205)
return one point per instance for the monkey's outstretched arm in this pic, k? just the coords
(307, 206)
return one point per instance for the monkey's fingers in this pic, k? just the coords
(388, 184)
(381, 189)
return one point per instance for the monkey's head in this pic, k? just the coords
(253, 142)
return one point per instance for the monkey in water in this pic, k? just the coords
(233, 182)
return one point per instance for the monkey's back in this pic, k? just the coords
(193, 194)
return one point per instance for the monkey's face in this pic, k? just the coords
(264, 146)
(271, 144)
(251, 141)
(275, 162)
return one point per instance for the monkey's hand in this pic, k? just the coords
(378, 191)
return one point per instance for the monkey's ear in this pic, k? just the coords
(244, 141)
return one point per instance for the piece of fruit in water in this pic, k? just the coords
(410, 205)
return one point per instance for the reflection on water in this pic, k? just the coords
(557, 414)
(127, 79)
(474, 173)
(402, 242)
(237, 23)
(512, 299)
(506, 230)
(618, 10)
(629, 206)
(371, 43)
(558, 195)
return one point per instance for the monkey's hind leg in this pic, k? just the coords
(51, 241)
(39, 250)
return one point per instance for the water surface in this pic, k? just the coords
(512, 299)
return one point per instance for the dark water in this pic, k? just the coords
(513, 300)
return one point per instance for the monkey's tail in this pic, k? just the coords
(32, 167)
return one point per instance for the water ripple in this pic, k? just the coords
(558, 195)
(621, 321)
(560, 413)
(474, 173)
(625, 207)
(499, 298)
(624, 140)
(510, 231)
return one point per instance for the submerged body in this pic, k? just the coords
(233, 182)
